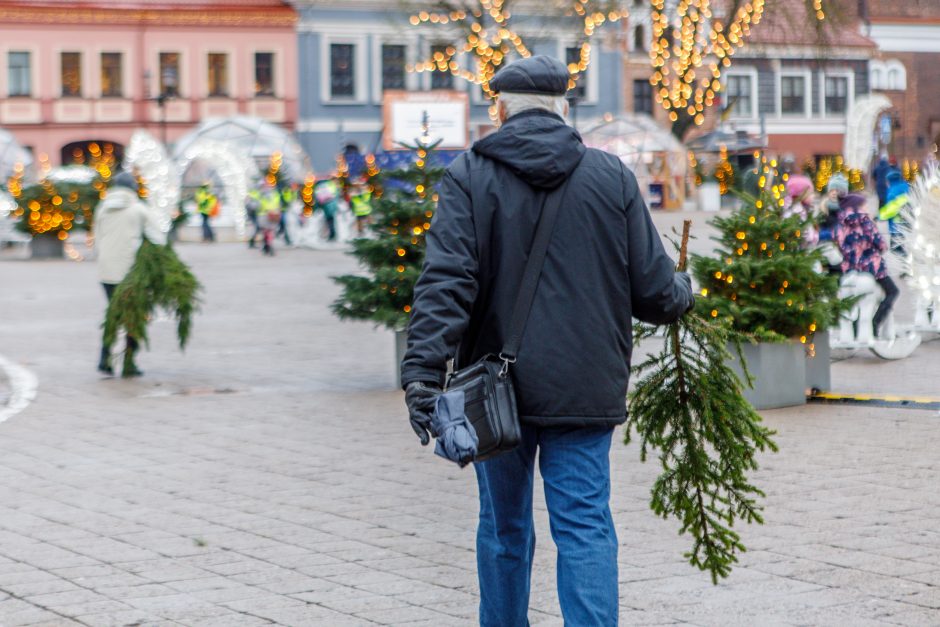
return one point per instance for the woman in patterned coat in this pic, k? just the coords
(862, 248)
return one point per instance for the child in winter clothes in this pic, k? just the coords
(862, 245)
(799, 202)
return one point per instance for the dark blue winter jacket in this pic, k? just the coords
(605, 264)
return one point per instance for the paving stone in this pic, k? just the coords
(238, 484)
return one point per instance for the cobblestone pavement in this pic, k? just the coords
(268, 476)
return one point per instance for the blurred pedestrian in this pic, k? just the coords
(122, 220)
(862, 248)
(326, 197)
(269, 216)
(799, 202)
(288, 195)
(896, 199)
(880, 174)
(207, 205)
(360, 201)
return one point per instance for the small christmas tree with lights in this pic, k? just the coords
(763, 278)
(394, 254)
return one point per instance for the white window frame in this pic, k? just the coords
(125, 73)
(807, 77)
(895, 65)
(33, 75)
(849, 91)
(592, 89)
(411, 78)
(427, 44)
(361, 69)
(877, 69)
(183, 87)
(231, 63)
(751, 73)
(277, 71)
(82, 67)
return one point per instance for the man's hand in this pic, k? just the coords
(684, 277)
(420, 397)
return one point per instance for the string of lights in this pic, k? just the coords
(489, 39)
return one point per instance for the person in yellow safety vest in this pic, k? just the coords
(361, 204)
(287, 198)
(326, 195)
(252, 206)
(205, 204)
(269, 216)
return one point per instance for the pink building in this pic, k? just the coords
(79, 71)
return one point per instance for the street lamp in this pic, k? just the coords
(167, 91)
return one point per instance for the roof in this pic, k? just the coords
(170, 5)
(206, 13)
(790, 23)
(908, 10)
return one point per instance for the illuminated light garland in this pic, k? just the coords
(233, 168)
(161, 179)
(490, 40)
(690, 49)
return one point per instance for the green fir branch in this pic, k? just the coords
(688, 405)
(157, 280)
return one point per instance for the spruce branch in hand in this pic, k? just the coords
(688, 405)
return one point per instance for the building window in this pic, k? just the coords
(393, 66)
(343, 70)
(112, 75)
(18, 74)
(218, 74)
(639, 38)
(264, 73)
(170, 73)
(642, 97)
(837, 95)
(71, 74)
(573, 57)
(441, 79)
(738, 90)
(793, 95)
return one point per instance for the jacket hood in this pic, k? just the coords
(537, 146)
(118, 198)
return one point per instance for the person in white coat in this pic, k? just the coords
(122, 220)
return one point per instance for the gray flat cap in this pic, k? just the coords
(536, 75)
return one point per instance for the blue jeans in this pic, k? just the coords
(575, 468)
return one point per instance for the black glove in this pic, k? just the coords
(684, 278)
(420, 397)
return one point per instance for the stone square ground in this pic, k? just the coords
(268, 476)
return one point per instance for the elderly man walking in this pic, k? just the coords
(605, 263)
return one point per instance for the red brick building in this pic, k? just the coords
(907, 69)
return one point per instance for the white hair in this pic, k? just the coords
(517, 103)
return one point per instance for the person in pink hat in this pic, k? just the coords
(799, 202)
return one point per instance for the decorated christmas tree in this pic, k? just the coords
(688, 406)
(394, 253)
(763, 278)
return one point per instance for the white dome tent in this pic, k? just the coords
(210, 159)
(655, 156)
(254, 138)
(149, 158)
(12, 156)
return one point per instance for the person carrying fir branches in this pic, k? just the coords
(605, 263)
(122, 220)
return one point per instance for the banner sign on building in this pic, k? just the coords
(446, 113)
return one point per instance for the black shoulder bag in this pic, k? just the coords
(490, 399)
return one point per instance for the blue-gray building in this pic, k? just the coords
(352, 51)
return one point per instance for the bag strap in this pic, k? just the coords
(533, 271)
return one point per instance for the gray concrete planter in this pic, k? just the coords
(779, 373)
(47, 246)
(818, 375)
